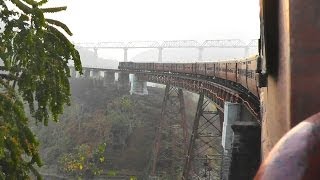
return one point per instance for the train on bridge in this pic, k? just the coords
(241, 73)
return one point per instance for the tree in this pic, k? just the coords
(35, 52)
(86, 161)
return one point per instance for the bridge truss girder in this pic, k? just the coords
(204, 157)
(170, 141)
(223, 43)
(217, 93)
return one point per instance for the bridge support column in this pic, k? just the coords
(95, 53)
(200, 53)
(96, 77)
(73, 72)
(123, 81)
(204, 151)
(109, 78)
(172, 128)
(160, 54)
(241, 143)
(95, 74)
(86, 73)
(231, 114)
(125, 54)
(245, 150)
(138, 86)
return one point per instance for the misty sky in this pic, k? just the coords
(130, 20)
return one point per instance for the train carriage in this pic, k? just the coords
(121, 65)
(251, 75)
(136, 66)
(167, 67)
(143, 66)
(217, 70)
(222, 70)
(180, 68)
(232, 71)
(210, 69)
(124, 65)
(158, 66)
(173, 68)
(200, 68)
(188, 68)
(150, 66)
(241, 73)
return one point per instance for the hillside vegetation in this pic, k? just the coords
(105, 132)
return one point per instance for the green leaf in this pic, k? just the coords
(60, 24)
(53, 10)
(23, 7)
(35, 73)
(42, 2)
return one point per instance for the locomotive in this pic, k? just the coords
(241, 73)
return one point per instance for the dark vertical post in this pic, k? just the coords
(184, 124)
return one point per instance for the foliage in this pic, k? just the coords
(84, 161)
(111, 173)
(126, 104)
(133, 178)
(35, 53)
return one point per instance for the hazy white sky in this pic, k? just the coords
(130, 20)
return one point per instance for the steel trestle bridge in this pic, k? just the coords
(224, 43)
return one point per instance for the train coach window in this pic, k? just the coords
(250, 74)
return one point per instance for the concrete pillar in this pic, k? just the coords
(231, 114)
(123, 81)
(241, 143)
(95, 74)
(200, 53)
(246, 150)
(109, 78)
(95, 53)
(160, 54)
(73, 72)
(125, 55)
(138, 86)
(86, 73)
(123, 77)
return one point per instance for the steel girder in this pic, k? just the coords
(217, 93)
(204, 157)
(223, 43)
(170, 141)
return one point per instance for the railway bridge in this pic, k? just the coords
(289, 50)
(216, 144)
